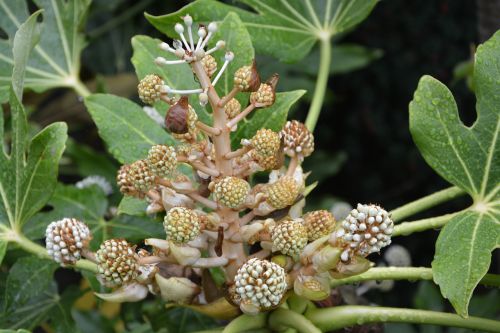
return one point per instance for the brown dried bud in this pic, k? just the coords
(247, 78)
(176, 120)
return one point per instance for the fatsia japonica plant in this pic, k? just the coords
(213, 214)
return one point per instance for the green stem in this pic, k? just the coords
(329, 319)
(424, 203)
(38, 250)
(407, 228)
(81, 89)
(404, 273)
(321, 83)
(297, 303)
(245, 323)
(282, 318)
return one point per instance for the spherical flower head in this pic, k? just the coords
(140, 176)
(297, 138)
(260, 284)
(209, 64)
(247, 78)
(281, 193)
(289, 237)
(269, 162)
(65, 239)
(150, 88)
(366, 229)
(124, 184)
(181, 225)
(116, 262)
(162, 160)
(318, 223)
(231, 191)
(232, 108)
(266, 142)
(264, 96)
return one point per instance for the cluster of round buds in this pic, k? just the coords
(318, 223)
(366, 229)
(232, 108)
(181, 225)
(281, 193)
(247, 78)
(122, 180)
(139, 175)
(266, 147)
(116, 262)
(162, 160)
(298, 140)
(150, 88)
(230, 191)
(289, 237)
(65, 239)
(260, 285)
(209, 64)
(264, 96)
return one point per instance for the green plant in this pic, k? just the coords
(198, 181)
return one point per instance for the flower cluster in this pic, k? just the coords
(213, 211)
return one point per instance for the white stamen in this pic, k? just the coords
(202, 32)
(185, 42)
(188, 21)
(220, 45)
(228, 58)
(169, 90)
(163, 62)
(212, 27)
(165, 47)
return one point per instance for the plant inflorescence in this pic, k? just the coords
(218, 215)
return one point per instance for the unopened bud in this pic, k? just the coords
(247, 78)
(176, 120)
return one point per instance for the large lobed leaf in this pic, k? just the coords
(29, 168)
(55, 61)
(30, 297)
(285, 29)
(468, 157)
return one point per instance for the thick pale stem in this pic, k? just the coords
(329, 319)
(427, 202)
(240, 116)
(407, 228)
(81, 89)
(281, 318)
(321, 83)
(404, 273)
(245, 219)
(228, 97)
(222, 145)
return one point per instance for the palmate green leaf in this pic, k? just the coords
(285, 29)
(29, 169)
(55, 61)
(128, 132)
(31, 297)
(273, 117)
(468, 157)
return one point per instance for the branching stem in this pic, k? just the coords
(329, 319)
(321, 83)
(240, 116)
(407, 228)
(426, 202)
(286, 318)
